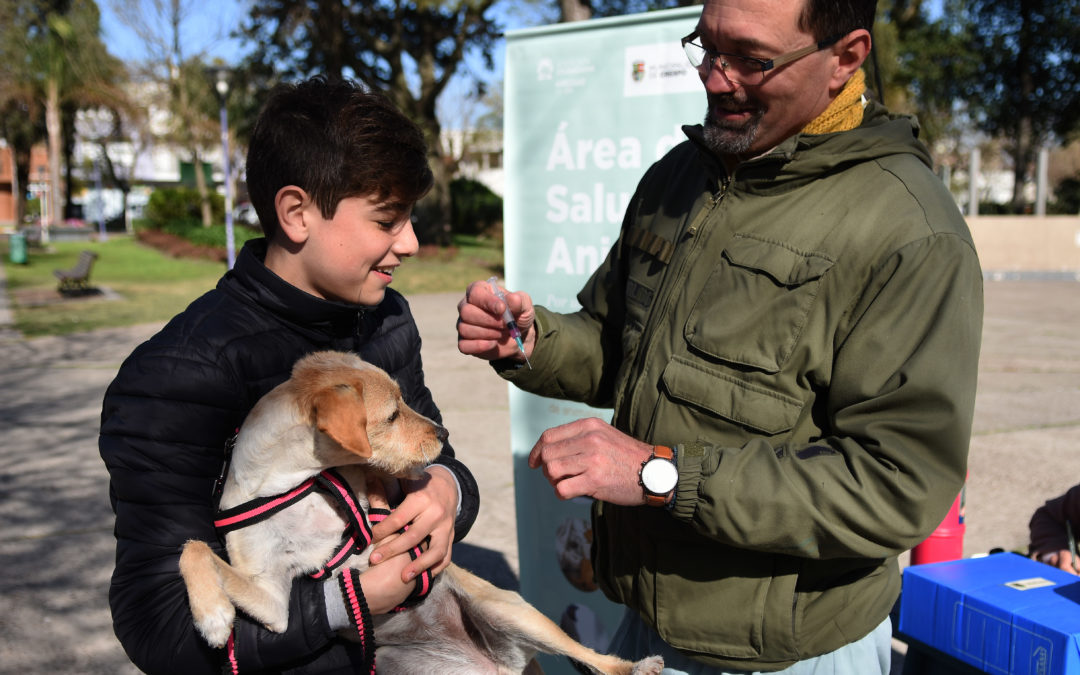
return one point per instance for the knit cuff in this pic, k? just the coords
(686, 491)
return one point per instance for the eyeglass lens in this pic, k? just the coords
(736, 69)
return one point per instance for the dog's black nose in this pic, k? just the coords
(441, 433)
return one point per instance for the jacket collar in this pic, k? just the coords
(251, 280)
(802, 158)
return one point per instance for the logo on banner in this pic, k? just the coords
(544, 70)
(567, 74)
(658, 69)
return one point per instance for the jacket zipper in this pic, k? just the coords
(642, 357)
(358, 334)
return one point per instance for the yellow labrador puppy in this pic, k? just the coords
(338, 411)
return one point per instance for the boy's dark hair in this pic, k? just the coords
(827, 18)
(334, 139)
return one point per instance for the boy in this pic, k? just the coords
(333, 173)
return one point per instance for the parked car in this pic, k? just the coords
(245, 213)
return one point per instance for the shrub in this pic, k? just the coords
(1066, 197)
(475, 209)
(181, 205)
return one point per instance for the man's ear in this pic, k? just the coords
(290, 202)
(851, 51)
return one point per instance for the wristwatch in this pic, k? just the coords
(659, 476)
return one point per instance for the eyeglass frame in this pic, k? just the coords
(766, 65)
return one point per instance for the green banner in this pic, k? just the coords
(589, 107)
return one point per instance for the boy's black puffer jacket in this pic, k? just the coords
(165, 420)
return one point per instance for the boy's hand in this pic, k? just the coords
(429, 510)
(1063, 560)
(384, 586)
(481, 329)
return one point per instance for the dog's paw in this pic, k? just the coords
(650, 665)
(215, 624)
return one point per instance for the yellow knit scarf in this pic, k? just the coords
(846, 110)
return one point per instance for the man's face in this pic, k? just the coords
(748, 121)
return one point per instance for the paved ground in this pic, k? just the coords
(56, 545)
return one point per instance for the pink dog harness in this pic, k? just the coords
(356, 537)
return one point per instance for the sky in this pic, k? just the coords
(205, 30)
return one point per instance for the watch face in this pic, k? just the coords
(659, 476)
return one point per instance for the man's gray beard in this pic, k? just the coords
(730, 141)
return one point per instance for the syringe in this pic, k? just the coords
(508, 318)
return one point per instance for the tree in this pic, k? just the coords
(193, 124)
(21, 121)
(54, 59)
(408, 49)
(76, 70)
(1026, 84)
(602, 8)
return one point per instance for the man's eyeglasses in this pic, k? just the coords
(746, 70)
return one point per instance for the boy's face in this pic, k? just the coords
(352, 256)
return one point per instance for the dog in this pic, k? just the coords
(340, 413)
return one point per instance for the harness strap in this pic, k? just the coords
(259, 509)
(356, 537)
(232, 666)
(333, 483)
(423, 581)
(356, 603)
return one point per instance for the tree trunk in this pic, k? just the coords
(52, 126)
(574, 10)
(432, 222)
(1025, 142)
(20, 156)
(204, 193)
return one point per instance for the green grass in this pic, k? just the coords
(451, 269)
(153, 287)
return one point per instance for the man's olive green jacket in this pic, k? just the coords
(806, 334)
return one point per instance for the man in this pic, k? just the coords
(788, 331)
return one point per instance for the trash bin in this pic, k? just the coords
(17, 248)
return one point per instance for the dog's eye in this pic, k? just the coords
(393, 417)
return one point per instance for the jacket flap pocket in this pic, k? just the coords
(733, 399)
(787, 266)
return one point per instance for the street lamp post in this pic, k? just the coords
(221, 88)
(102, 234)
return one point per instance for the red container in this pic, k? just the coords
(947, 541)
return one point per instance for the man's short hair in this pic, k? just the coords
(334, 139)
(828, 18)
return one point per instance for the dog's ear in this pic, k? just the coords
(340, 414)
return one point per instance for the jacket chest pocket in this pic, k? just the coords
(755, 304)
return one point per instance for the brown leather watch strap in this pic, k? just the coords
(661, 452)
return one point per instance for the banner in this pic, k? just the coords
(589, 107)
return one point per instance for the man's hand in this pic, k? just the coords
(429, 510)
(480, 327)
(592, 458)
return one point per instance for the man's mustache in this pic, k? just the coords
(732, 102)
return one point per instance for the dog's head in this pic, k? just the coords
(358, 416)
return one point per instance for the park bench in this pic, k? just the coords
(77, 279)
